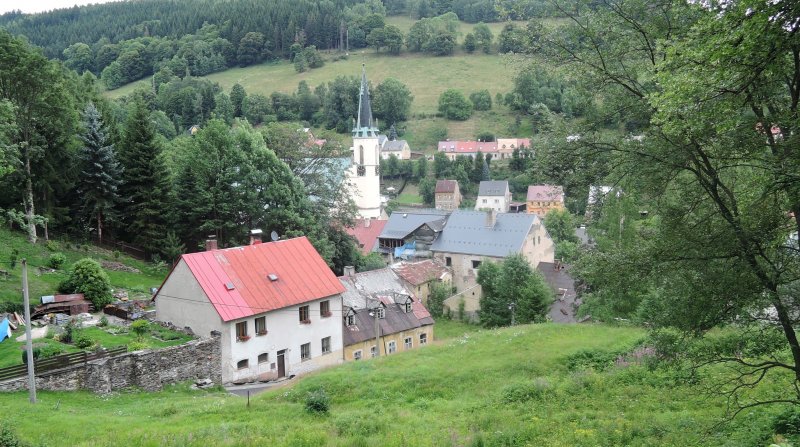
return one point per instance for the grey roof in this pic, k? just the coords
(394, 146)
(466, 232)
(401, 224)
(493, 188)
(359, 287)
(364, 105)
(558, 278)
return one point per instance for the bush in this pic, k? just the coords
(454, 105)
(70, 332)
(596, 359)
(36, 353)
(103, 321)
(140, 328)
(56, 261)
(52, 246)
(788, 422)
(87, 277)
(50, 350)
(137, 346)
(8, 438)
(523, 392)
(481, 100)
(317, 402)
(82, 341)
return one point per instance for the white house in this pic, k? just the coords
(363, 175)
(277, 305)
(493, 195)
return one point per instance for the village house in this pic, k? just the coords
(419, 277)
(378, 296)
(409, 234)
(447, 195)
(544, 198)
(455, 148)
(398, 148)
(493, 195)
(277, 306)
(366, 232)
(472, 237)
(506, 146)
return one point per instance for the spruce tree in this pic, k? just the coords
(100, 173)
(146, 185)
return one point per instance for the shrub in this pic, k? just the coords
(52, 246)
(116, 254)
(596, 359)
(50, 350)
(137, 346)
(56, 261)
(481, 100)
(140, 328)
(82, 341)
(317, 401)
(87, 277)
(523, 392)
(12, 258)
(36, 353)
(8, 438)
(70, 331)
(103, 321)
(454, 105)
(788, 422)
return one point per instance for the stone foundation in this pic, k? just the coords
(149, 370)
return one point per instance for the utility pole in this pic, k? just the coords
(512, 306)
(28, 338)
(377, 331)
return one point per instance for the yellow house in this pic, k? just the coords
(381, 317)
(544, 198)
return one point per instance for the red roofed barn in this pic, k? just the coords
(277, 305)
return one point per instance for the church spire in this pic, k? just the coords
(364, 126)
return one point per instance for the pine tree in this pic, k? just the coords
(146, 185)
(392, 133)
(485, 171)
(100, 173)
(237, 98)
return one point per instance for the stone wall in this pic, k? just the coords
(149, 370)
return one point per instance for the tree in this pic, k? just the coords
(441, 165)
(481, 100)
(256, 107)
(100, 173)
(79, 57)
(483, 37)
(438, 293)
(427, 189)
(476, 172)
(422, 168)
(377, 39)
(237, 98)
(300, 63)
(392, 101)
(145, 188)
(453, 105)
(87, 277)
(441, 43)
(512, 283)
(250, 48)
(393, 39)
(469, 43)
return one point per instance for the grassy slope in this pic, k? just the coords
(47, 283)
(451, 393)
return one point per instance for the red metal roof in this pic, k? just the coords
(467, 147)
(446, 186)
(366, 232)
(302, 276)
(550, 193)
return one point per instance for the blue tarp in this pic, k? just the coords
(5, 330)
(407, 251)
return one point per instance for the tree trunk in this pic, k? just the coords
(28, 201)
(99, 228)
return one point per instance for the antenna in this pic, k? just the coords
(274, 236)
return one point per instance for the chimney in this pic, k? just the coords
(349, 271)
(211, 242)
(491, 218)
(255, 236)
(367, 222)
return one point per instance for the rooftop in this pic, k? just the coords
(366, 232)
(551, 193)
(466, 232)
(446, 186)
(416, 273)
(493, 188)
(403, 223)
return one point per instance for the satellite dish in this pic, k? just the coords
(274, 236)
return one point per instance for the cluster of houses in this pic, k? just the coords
(502, 148)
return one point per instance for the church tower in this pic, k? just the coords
(364, 172)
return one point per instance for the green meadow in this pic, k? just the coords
(509, 387)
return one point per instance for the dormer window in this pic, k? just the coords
(380, 311)
(408, 306)
(350, 320)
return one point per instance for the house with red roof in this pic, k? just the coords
(454, 148)
(420, 276)
(544, 198)
(277, 306)
(366, 232)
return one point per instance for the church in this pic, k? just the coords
(363, 175)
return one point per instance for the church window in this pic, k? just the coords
(361, 155)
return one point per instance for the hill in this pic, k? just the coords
(525, 385)
(124, 272)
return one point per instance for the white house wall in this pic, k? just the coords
(284, 331)
(183, 302)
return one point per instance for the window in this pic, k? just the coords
(423, 338)
(263, 358)
(325, 308)
(484, 200)
(476, 264)
(496, 200)
(373, 351)
(357, 355)
(540, 240)
(241, 331)
(448, 261)
(326, 345)
(305, 318)
(261, 326)
(380, 311)
(392, 347)
(349, 320)
(242, 364)
(408, 306)
(408, 343)
(305, 351)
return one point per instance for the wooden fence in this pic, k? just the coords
(58, 362)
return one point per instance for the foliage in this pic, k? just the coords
(8, 437)
(469, 43)
(103, 321)
(87, 277)
(82, 341)
(427, 190)
(56, 260)
(481, 100)
(372, 261)
(392, 101)
(453, 105)
(317, 401)
(140, 328)
(512, 281)
(438, 293)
